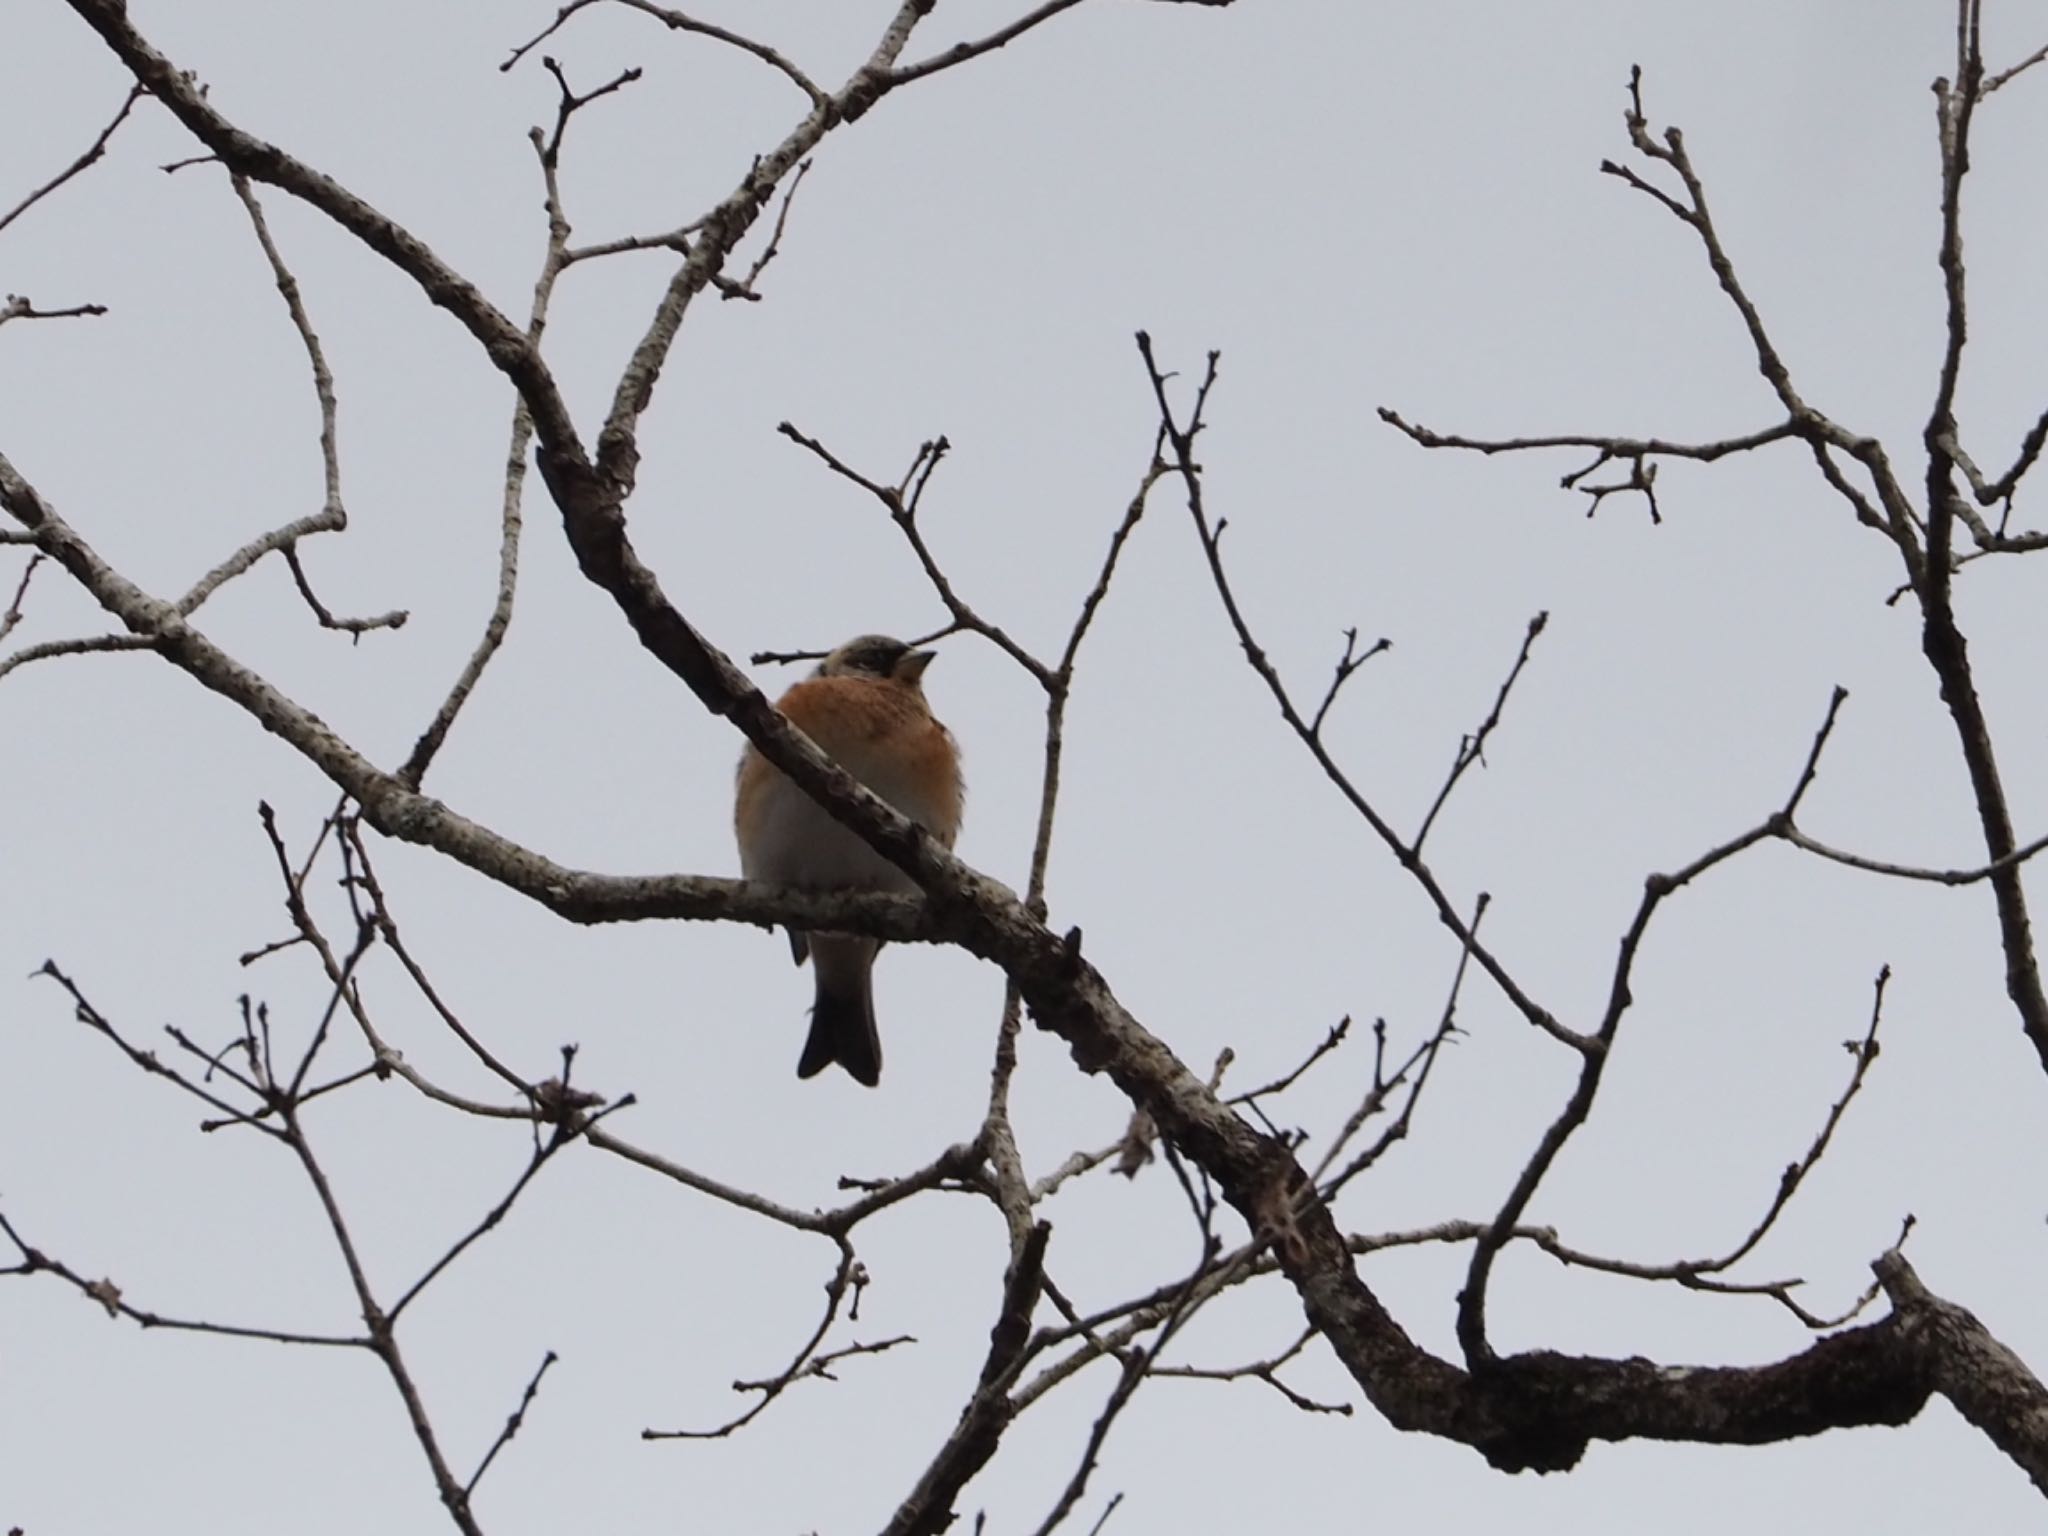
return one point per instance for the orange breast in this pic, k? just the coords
(884, 735)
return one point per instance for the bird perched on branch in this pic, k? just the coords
(865, 706)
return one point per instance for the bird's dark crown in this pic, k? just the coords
(866, 656)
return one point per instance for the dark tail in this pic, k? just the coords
(843, 1019)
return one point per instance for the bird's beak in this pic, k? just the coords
(912, 666)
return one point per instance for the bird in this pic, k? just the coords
(865, 706)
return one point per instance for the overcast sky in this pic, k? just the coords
(1360, 205)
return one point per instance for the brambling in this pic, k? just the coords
(865, 706)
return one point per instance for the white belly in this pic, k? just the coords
(799, 844)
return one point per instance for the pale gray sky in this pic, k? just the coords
(1360, 205)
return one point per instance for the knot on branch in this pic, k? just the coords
(861, 93)
(1277, 1207)
(1530, 1402)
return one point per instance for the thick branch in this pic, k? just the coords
(1986, 1382)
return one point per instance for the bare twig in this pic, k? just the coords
(1267, 1370)
(555, 260)
(383, 1341)
(108, 1295)
(1347, 665)
(1971, 876)
(901, 503)
(84, 645)
(846, 1278)
(744, 288)
(395, 619)
(1942, 638)
(12, 616)
(1702, 1274)
(1181, 439)
(2005, 77)
(1637, 452)
(928, 1508)
(618, 454)
(960, 53)
(20, 307)
(486, 1223)
(1863, 1053)
(333, 514)
(1414, 1072)
(97, 148)
(571, 102)
(1547, 1240)
(1891, 512)
(1472, 749)
(148, 1061)
(1208, 1277)
(676, 21)
(513, 1424)
(1107, 1510)
(1592, 1064)
(387, 928)
(1279, 1085)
